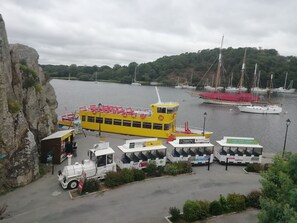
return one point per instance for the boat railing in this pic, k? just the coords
(112, 109)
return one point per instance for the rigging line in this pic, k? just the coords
(208, 70)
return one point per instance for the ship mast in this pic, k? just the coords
(218, 77)
(242, 71)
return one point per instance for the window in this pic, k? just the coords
(109, 159)
(147, 125)
(161, 110)
(83, 118)
(117, 122)
(167, 126)
(137, 124)
(101, 160)
(157, 126)
(99, 120)
(108, 121)
(127, 123)
(91, 119)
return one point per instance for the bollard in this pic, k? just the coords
(227, 164)
(53, 169)
(208, 165)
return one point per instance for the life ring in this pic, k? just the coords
(133, 115)
(161, 117)
(142, 116)
(124, 114)
(173, 116)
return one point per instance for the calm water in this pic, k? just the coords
(269, 130)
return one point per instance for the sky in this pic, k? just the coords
(98, 32)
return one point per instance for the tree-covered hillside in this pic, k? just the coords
(197, 68)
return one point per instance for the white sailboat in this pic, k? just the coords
(134, 82)
(178, 85)
(262, 108)
(256, 89)
(289, 90)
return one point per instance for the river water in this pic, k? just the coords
(269, 130)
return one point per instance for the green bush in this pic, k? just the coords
(254, 167)
(138, 175)
(253, 199)
(153, 171)
(192, 211)
(215, 208)
(204, 209)
(38, 88)
(13, 106)
(236, 202)
(224, 204)
(91, 185)
(30, 78)
(175, 213)
(113, 179)
(127, 175)
(171, 169)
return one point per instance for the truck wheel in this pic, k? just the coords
(72, 184)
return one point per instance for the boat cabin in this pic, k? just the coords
(197, 150)
(239, 150)
(138, 153)
(159, 121)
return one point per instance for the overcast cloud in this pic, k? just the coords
(98, 32)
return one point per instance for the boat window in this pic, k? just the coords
(99, 120)
(109, 159)
(92, 156)
(101, 160)
(147, 125)
(161, 110)
(108, 121)
(127, 123)
(117, 122)
(157, 126)
(91, 119)
(83, 118)
(167, 126)
(136, 124)
(170, 110)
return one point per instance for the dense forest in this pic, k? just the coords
(196, 68)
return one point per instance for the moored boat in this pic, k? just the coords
(261, 109)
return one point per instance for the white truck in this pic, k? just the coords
(101, 161)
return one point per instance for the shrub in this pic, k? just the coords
(254, 167)
(127, 175)
(38, 88)
(215, 208)
(91, 186)
(224, 204)
(13, 106)
(204, 205)
(253, 199)
(113, 179)
(236, 202)
(138, 175)
(153, 171)
(171, 169)
(175, 213)
(192, 211)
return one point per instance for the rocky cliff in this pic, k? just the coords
(27, 112)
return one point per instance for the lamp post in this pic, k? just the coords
(288, 122)
(204, 116)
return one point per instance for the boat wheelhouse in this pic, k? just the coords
(197, 150)
(138, 153)
(239, 150)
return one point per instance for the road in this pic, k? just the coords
(147, 201)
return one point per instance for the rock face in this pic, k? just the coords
(27, 112)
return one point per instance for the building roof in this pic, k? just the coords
(58, 134)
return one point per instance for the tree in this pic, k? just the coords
(279, 194)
